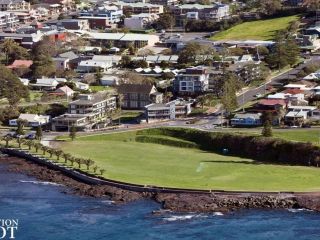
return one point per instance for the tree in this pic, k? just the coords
(21, 123)
(88, 163)
(95, 168)
(51, 151)
(29, 143)
(270, 7)
(39, 133)
(43, 64)
(285, 51)
(165, 21)
(102, 171)
(229, 97)
(37, 146)
(11, 87)
(13, 50)
(79, 161)
(126, 61)
(189, 53)
(217, 83)
(312, 5)
(44, 149)
(66, 157)
(73, 132)
(7, 139)
(267, 129)
(58, 154)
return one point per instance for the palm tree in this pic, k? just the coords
(7, 139)
(20, 141)
(51, 151)
(37, 146)
(58, 154)
(29, 143)
(66, 157)
(88, 163)
(79, 161)
(102, 171)
(72, 160)
(44, 149)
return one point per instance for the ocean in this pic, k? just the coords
(44, 211)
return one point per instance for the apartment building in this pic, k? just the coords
(14, 5)
(8, 19)
(85, 112)
(191, 81)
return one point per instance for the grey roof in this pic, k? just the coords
(70, 55)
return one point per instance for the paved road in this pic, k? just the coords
(249, 95)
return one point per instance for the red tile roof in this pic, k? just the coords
(272, 102)
(293, 91)
(21, 63)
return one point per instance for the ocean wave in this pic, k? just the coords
(297, 210)
(108, 201)
(41, 183)
(187, 217)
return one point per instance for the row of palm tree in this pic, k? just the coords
(52, 151)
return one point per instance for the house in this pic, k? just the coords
(246, 120)
(64, 91)
(88, 66)
(272, 104)
(8, 19)
(298, 114)
(199, 11)
(61, 63)
(109, 80)
(81, 86)
(33, 120)
(137, 96)
(85, 113)
(140, 21)
(121, 39)
(112, 60)
(309, 43)
(164, 2)
(74, 24)
(191, 81)
(169, 111)
(45, 84)
(25, 40)
(14, 5)
(137, 8)
(24, 81)
(102, 16)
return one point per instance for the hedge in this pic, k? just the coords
(166, 141)
(255, 147)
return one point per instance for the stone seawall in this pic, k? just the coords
(181, 200)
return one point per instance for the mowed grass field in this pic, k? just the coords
(160, 165)
(256, 30)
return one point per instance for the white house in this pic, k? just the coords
(109, 80)
(33, 120)
(92, 65)
(64, 91)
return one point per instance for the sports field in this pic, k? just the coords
(153, 164)
(256, 30)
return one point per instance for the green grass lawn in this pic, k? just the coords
(256, 30)
(299, 135)
(160, 165)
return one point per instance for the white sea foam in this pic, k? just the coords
(184, 217)
(297, 210)
(218, 214)
(41, 183)
(107, 202)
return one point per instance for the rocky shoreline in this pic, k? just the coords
(222, 202)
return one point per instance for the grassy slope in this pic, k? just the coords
(256, 30)
(153, 164)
